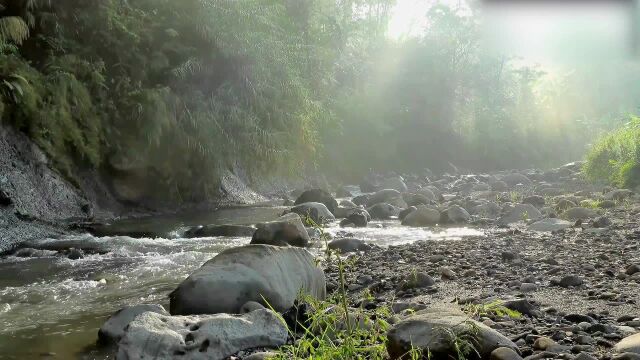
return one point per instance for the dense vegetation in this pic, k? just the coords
(176, 92)
(616, 157)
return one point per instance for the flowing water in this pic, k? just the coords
(52, 307)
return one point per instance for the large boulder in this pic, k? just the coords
(286, 230)
(422, 216)
(318, 212)
(113, 329)
(489, 210)
(317, 196)
(550, 224)
(210, 337)
(383, 211)
(388, 196)
(618, 194)
(455, 214)
(579, 213)
(219, 230)
(520, 212)
(396, 183)
(412, 199)
(435, 331)
(269, 275)
(630, 344)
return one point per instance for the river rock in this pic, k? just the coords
(579, 213)
(630, 344)
(504, 353)
(550, 224)
(456, 214)
(318, 212)
(520, 212)
(499, 186)
(348, 245)
(219, 230)
(396, 183)
(618, 194)
(535, 200)
(387, 196)
(564, 204)
(269, 275)
(383, 211)
(210, 337)
(318, 196)
(415, 199)
(422, 216)
(489, 210)
(113, 329)
(287, 230)
(430, 330)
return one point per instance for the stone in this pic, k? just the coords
(630, 344)
(504, 353)
(456, 214)
(428, 330)
(579, 213)
(570, 281)
(269, 275)
(286, 230)
(602, 222)
(318, 212)
(422, 216)
(549, 225)
(113, 329)
(618, 194)
(499, 186)
(348, 245)
(396, 183)
(211, 337)
(632, 269)
(261, 356)
(417, 280)
(520, 212)
(535, 200)
(383, 211)
(387, 196)
(318, 196)
(219, 230)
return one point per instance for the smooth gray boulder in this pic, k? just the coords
(383, 211)
(520, 212)
(618, 194)
(220, 230)
(550, 224)
(113, 329)
(396, 183)
(456, 214)
(210, 337)
(489, 210)
(431, 330)
(630, 344)
(318, 196)
(387, 196)
(286, 230)
(318, 212)
(270, 275)
(579, 213)
(422, 216)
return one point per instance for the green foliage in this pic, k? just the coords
(615, 158)
(492, 309)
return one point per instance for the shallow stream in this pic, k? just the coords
(52, 307)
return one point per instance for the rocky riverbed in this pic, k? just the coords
(533, 264)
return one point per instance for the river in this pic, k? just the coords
(52, 306)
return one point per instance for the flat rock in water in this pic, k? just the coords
(550, 224)
(210, 337)
(347, 245)
(270, 275)
(318, 212)
(432, 329)
(422, 216)
(286, 230)
(113, 329)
